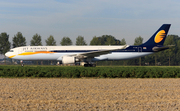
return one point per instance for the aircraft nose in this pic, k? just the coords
(6, 54)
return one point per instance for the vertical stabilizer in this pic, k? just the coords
(158, 37)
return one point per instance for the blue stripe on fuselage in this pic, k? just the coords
(128, 49)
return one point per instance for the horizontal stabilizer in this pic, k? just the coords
(156, 49)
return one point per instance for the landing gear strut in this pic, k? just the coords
(22, 63)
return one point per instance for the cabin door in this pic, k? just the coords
(139, 49)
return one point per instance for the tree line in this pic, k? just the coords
(19, 40)
(167, 57)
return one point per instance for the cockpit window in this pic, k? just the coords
(11, 51)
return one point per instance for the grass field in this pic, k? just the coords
(115, 66)
(99, 72)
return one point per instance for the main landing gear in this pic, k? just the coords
(89, 65)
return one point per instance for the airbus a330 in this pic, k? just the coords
(90, 54)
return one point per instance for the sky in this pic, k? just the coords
(126, 19)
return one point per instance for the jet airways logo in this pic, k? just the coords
(160, 36)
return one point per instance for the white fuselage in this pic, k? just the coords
(57, 52)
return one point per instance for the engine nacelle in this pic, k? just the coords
(69, 60)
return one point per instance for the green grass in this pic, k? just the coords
(97, 72)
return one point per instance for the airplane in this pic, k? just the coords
(90, 54)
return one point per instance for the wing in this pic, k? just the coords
(96, 53)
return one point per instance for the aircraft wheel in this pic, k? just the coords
(86, 65)
(89, 65)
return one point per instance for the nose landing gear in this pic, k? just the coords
(22, 63)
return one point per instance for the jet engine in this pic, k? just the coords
(69, 59)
